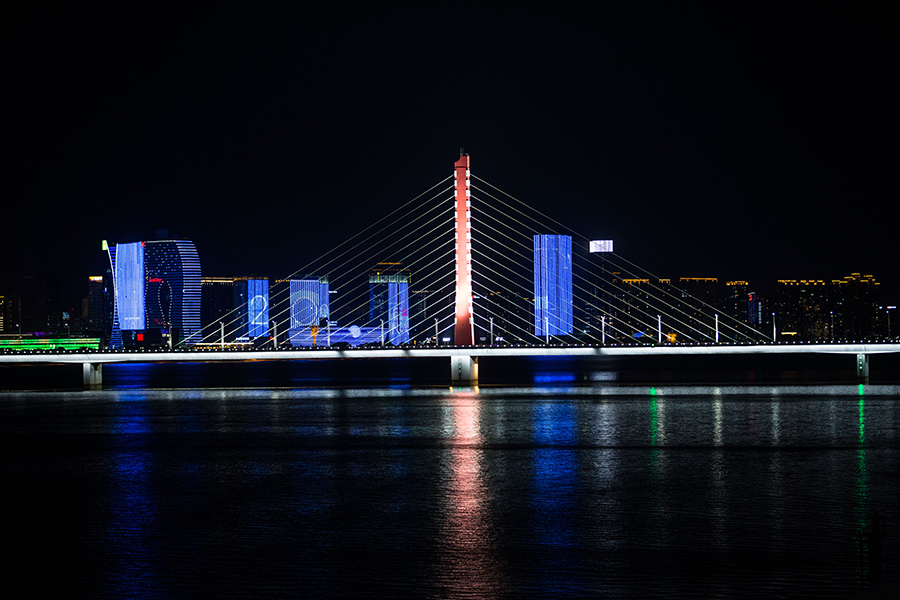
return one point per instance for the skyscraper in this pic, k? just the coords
(99, 305)
(157, 293)
(552, 285)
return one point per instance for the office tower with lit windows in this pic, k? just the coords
(156, 285)
(553, 311)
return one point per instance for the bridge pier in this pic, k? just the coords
(862, 368)
(93, 375)
(464, 369)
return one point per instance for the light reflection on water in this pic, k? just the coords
(490, 492)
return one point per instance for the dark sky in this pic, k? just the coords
(752, 143)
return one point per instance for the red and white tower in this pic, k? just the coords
(464, 330)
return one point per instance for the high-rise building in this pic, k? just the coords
(855, 300)
(802, 309)
(389, 301)
(217, 309)
(422, 307)
(505, 313)
(100, 300)
(840, 309)
(553, 314)
(157, 293)
(251, 306)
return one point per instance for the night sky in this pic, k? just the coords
(753, 143)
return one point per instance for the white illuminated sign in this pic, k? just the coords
(601, 246)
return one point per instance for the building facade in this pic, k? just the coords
(389, 301)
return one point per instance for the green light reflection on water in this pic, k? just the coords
(862, 490)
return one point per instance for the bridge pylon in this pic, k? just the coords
(464, 329)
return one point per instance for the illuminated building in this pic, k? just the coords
(599, 305)
(300, 305)
(99, 305)
(736, 302)
(552, 285)
(854, 302)
(389, 301)
(309, 302)
(802, 309)
(251, 305)
(818, 310)
(157, 293)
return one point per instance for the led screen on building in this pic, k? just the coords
(257, 307)
(309, 302)
(398, 312)
(553, 285)
(601, 246)
(129, 285)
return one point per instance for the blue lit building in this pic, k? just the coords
(251, 304)
(156, 286)
(389, 301)
(552, 285)
(309, 302)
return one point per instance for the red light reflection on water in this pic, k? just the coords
(469, 565)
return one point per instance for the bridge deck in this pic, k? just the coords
(227, 355)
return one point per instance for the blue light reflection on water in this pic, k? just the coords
(555, 473)
(132, 510)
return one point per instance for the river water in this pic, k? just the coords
(563, 488)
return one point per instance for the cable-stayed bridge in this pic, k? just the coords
(465, 270)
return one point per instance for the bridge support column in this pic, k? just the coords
(93, 375)
(464, 369)
(464, 327)
(862, 368)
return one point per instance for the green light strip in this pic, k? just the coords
(51, 344)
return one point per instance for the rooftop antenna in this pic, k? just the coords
(461, 153)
